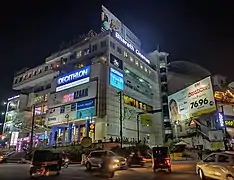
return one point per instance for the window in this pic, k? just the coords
(112, 44)
(163, 78)
(125, 54)
(62, 109)
(223, 159)
(146, 70)
(16, 80)
(29, 74)
(163, 70)
(46, 68)
(136, 62)
(119, 50)
(103, 44)
(78, 54)
(98, 154)
(34, 73)
(20, 79)
(210, 158)
(73, 107)
(94, 47)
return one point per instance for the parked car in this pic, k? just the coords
(218, 165)
(94, 159)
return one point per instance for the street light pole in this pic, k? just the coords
(32, 128)
(120, 118)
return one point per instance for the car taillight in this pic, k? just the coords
(168, 161)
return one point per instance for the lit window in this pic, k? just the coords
(45, 109)
(146, 70)
(137, 63)
(125, 54)
(46, 97)
(141, 66)
(79, 53)
(131, 58)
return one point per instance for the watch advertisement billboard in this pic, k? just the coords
(112, 23)
(116, 79)
(191, 102)
(78, 93)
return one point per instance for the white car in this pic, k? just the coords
(94, 159)
(218, 166)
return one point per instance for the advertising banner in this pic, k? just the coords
(116, 79)
(79, 93)
(191, 102)
(112, 23)
(75, 78)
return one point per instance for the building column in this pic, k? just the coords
(87, 128)
(69, 132)
(64, 134)
(54, 128)
(78, 135)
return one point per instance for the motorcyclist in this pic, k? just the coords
(105, 162)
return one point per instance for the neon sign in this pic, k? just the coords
(131, 47)
(221, 120)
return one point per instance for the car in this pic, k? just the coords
(217, 166)
(94, 159)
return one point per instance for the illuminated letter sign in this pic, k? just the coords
(75, 78)
(116, 79)
(131, 47)
(221, 121)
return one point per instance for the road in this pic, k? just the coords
(181, 171)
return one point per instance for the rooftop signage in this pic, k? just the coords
(131, 47)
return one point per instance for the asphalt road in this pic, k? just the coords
(181, 171)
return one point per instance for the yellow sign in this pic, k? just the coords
(146, 120)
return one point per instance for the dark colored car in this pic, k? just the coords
(135, 159)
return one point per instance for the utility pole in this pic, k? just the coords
(121, 118)
(32, 128)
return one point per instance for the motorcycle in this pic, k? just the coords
(109, 169)
(65, 162)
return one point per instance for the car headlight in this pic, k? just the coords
(116, 160)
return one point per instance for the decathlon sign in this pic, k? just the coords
(131, 47)
(75, 78)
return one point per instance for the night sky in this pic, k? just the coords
(200, 32)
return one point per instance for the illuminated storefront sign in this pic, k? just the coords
(131, 47)
(86, 109)
(116, 79)
(221, 120)
(229, 123)
(75, 78)
(116, 61)
(85, 104)
(191, 102)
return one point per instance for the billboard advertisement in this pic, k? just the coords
(116, 79)
(191, 102)
(112, 23)
(72, 79)
(78, 93)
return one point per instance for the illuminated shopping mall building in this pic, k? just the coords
(76, 92)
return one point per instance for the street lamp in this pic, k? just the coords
(4, 103)
(3, 113)
(138, 120)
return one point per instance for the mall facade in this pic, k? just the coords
(85, 90)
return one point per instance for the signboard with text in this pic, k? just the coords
(116, 79)
(191, 102)
(112, 23)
